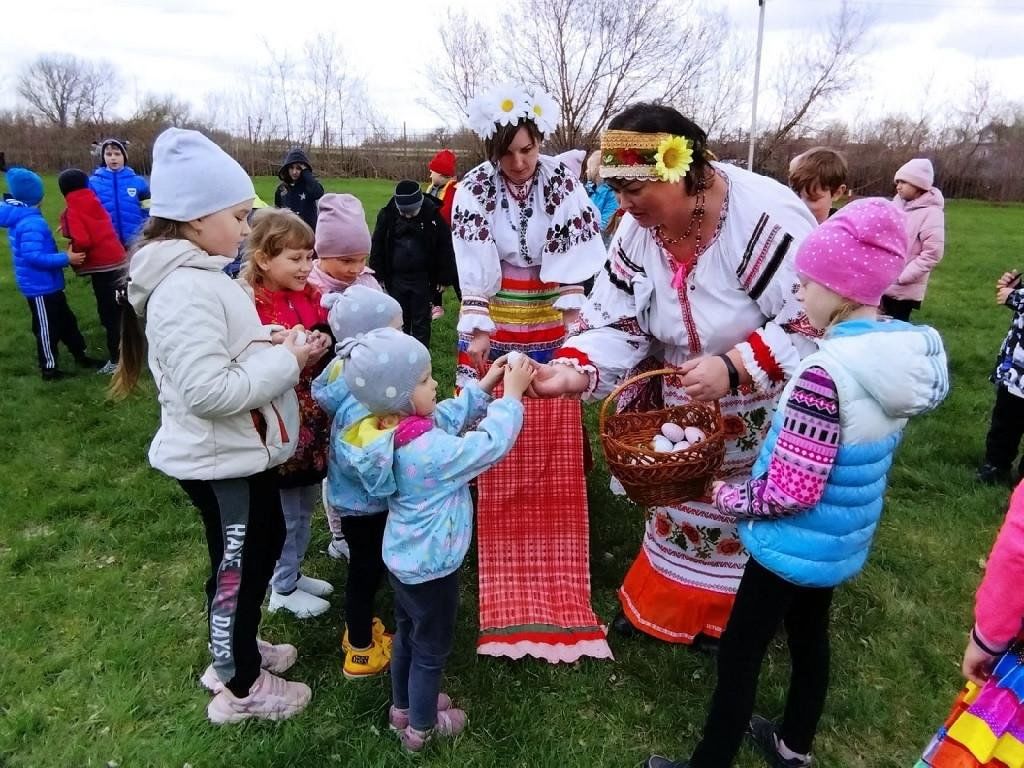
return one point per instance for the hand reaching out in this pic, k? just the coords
(494, 374)
(75, 258)
(518, 376)
(978, 664)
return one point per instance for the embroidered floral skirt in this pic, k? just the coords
(986, 726)
(684, 580)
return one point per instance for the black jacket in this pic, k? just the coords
(422, 244)
(302, 195)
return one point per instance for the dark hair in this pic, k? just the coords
(133, 337)
(648, 117)
(498, 144)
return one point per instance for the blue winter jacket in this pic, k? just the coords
(604, 199)
(38, 264)
(426, 482)
(122, 193)
(345, 492)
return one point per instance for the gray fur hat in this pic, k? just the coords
(359, 310)
(382, 368)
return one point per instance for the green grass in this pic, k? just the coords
(102, 559)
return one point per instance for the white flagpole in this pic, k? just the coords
(757, 79)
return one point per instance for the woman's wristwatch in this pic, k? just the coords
(734, 375)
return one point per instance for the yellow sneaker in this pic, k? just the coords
(366, 663)
(379, 635)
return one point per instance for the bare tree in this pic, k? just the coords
(163, 109)
(810, 78)
(465, 65)
(66, 90)
(596, 56)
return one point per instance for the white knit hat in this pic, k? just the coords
(192, 177)
(918, 172)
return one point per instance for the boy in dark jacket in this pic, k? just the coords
(411, 254)
(87, 225)
(39, 273)
(299, 190)
(1007, 425)
(121, 190)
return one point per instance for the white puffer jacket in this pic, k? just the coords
(227, 400)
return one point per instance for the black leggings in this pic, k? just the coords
(899, 309)
(364, 535)
(1005, 430)
(244, 534)
(763, 601)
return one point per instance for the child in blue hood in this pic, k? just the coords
(121, 190)
(811, 509)
(422, 455)
(361, 517)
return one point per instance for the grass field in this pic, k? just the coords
(102, 560)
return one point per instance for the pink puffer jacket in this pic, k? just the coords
(926, 240)
(999, 604)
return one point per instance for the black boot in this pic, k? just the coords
(53, 374)
(992, 475)
(765, 734)
(84, 361)
(623, 627)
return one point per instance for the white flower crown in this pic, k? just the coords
(507, 104)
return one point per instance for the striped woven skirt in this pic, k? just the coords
(986, 726)
(533, 535)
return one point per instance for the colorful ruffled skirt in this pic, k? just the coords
(986, 727)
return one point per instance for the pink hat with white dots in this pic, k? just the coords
(858, 252)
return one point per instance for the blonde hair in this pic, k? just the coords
(843, 312)
(594, 167)
(133, 336)
(273, 231)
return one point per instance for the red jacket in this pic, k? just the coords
(290, 308)
(86, 223)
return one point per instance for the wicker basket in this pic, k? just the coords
(661, 479)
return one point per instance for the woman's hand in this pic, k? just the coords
(570, 318)
(705, 378)
(559, 380)
(479, 350)
(977, 664)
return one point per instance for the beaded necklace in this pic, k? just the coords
(521, 194)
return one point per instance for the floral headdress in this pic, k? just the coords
(507, 104)
(645, 156)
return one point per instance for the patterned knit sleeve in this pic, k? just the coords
(803, 457)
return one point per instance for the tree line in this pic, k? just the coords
(593, 56)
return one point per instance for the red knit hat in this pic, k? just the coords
(443, 163)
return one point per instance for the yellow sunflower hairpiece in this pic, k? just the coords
(673, 158)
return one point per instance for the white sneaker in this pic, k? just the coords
(338, 549)
(274, 658)
(108, 368)
(270, 698)
(317, 587)
(302, 604)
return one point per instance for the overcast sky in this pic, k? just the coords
(922, 53)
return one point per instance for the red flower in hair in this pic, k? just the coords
(630, 157)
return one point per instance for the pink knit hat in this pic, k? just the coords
(859, 252)
(918, 172)
(341, 227)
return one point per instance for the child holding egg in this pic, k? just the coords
(809, 513)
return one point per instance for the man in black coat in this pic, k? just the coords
(411, 255)
(299, 190)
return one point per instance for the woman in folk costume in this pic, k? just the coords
(525, 237)
(700, 278)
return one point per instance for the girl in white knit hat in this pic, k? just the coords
(228, 412)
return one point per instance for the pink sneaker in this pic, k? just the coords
(398, 719)
(436, 313)
(270, 698)
(273, 658)
(450, 722)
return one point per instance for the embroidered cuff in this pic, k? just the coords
(579, 361)
(760, 363)
(475, 315)
(569, 301)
